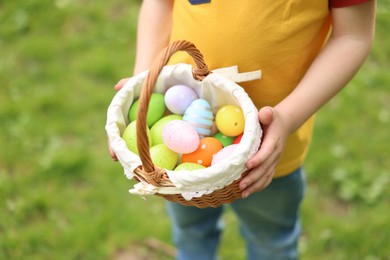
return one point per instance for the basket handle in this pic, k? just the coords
(199, 72)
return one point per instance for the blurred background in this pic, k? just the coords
(62, 197)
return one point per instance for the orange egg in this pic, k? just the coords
(208, 146)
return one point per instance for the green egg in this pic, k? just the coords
(224, 139)
(130, 136)
(157, 128)
(163, 157)
(156, 109)
(188, 166)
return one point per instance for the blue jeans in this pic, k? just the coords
(269, 223)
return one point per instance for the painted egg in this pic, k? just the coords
(157, 129)
(178, 98)
(238, 139)
(163, 157)
(180, 136)
(130, 136)
(156, 109)
(200, 116)
(224, 139)
(230, 120)
(223, 154)
(189, 167)
(208, 146)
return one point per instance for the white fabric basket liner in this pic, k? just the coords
(219, 89)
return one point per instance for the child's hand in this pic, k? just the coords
(262, 164)
(117, 87)
(112, 153)
(120, 84)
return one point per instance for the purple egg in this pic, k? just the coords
(178, 98)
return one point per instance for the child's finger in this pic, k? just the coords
(120, 84)
(266, 116)
(259, 171)
(268, 145)
(112, 153)
(266, 149)
(259, 184)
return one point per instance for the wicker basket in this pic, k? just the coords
(149, 174)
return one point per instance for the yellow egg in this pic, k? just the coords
(230, 120)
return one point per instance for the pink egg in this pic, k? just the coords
(178, 98)
(223, 154)
(180, 136)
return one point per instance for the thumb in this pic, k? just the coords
(120, 84)
(266, 115)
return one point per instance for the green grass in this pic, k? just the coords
(61, 196)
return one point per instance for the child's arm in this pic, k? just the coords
(153, 32)
(348, 46)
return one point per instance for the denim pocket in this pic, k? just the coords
(198, 2)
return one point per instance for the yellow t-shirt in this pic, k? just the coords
(281, 38)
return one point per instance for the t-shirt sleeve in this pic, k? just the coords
(345, 3)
